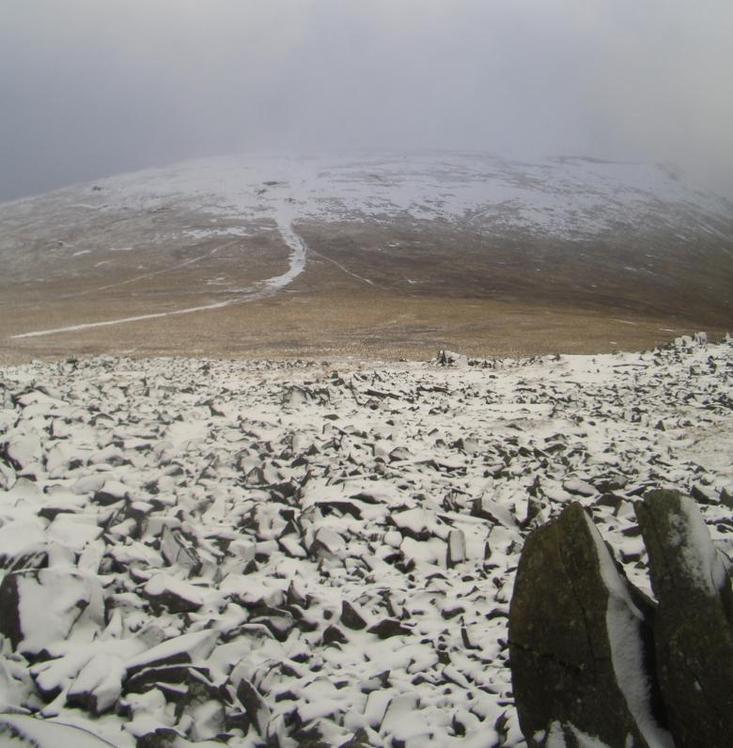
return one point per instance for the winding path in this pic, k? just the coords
(259, 290)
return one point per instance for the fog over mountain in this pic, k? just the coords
(91, 88)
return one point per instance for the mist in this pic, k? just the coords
(90, 88)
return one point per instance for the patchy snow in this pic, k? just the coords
(237, 197)
(261, 290)
(253, 551)
(561, 197)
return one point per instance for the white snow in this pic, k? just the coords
(702, 561)
(627, 654)
(21, 730)
(211, 481)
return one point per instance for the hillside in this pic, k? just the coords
(376, 255)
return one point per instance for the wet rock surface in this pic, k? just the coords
(198, 550)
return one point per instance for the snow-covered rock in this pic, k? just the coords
(694, 622)
(342, 543)
(578, 637)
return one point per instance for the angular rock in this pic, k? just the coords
(334, 635)
(578, 636)
(451, 358)
(22, 544)
(359, 739)
(486, 508)
(456, 552)
(350, 618)
(693, 628)
(178, 550)
(177, 596)
(23, 450)
(10, 624)
(254, 705)
(7, 475)
(98, 685)
(388, 628)
(38, 607)
(180, 650)
(174, 681)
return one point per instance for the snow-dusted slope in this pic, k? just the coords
(210, 234)
(241, 551)
(565, 197)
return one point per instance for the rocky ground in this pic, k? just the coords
(313, 553)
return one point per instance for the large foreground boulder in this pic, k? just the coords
(580, 648)
(693, 628)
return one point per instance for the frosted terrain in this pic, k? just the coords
(247, 552)
(568, 197)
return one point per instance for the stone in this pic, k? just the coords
(10, 625)
(579, 640)
(451, 358)
(350, 618)
(359, 739)
(41, 606)
(693, 628)
(7, 474)
(177, 550)
(334, 635)
(456, 548)
(389, 627)
(254, 705)
(175, 595)
(98, 684)
(180, 650)
(173, 680)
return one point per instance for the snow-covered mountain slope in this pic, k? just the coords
(567, 197)
(627, 243)
(252, 552)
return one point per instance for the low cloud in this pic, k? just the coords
(89, 88)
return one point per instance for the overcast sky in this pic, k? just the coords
(89, 88)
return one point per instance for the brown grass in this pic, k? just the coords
(435, 288)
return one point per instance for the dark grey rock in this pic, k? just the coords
(359, 739)
(693, 629)
(10, 625)
(254, 705)
(170, 601)
(350, 618)
(562, 652)
(179, 550)
(334, 635)
(388, 628)
(456, 548)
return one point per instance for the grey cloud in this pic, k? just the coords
(88, 88)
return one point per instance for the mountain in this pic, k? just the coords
(396, 253)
